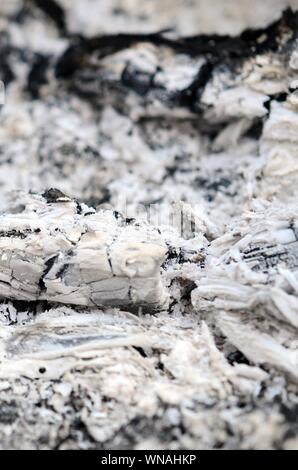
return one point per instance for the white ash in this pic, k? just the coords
(54, 249)
(186, 17)
(145, 127)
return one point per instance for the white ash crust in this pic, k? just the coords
(53, 249)
(180, 380)
(253, 269)
(188, 17)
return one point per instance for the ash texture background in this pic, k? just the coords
(186, 107)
